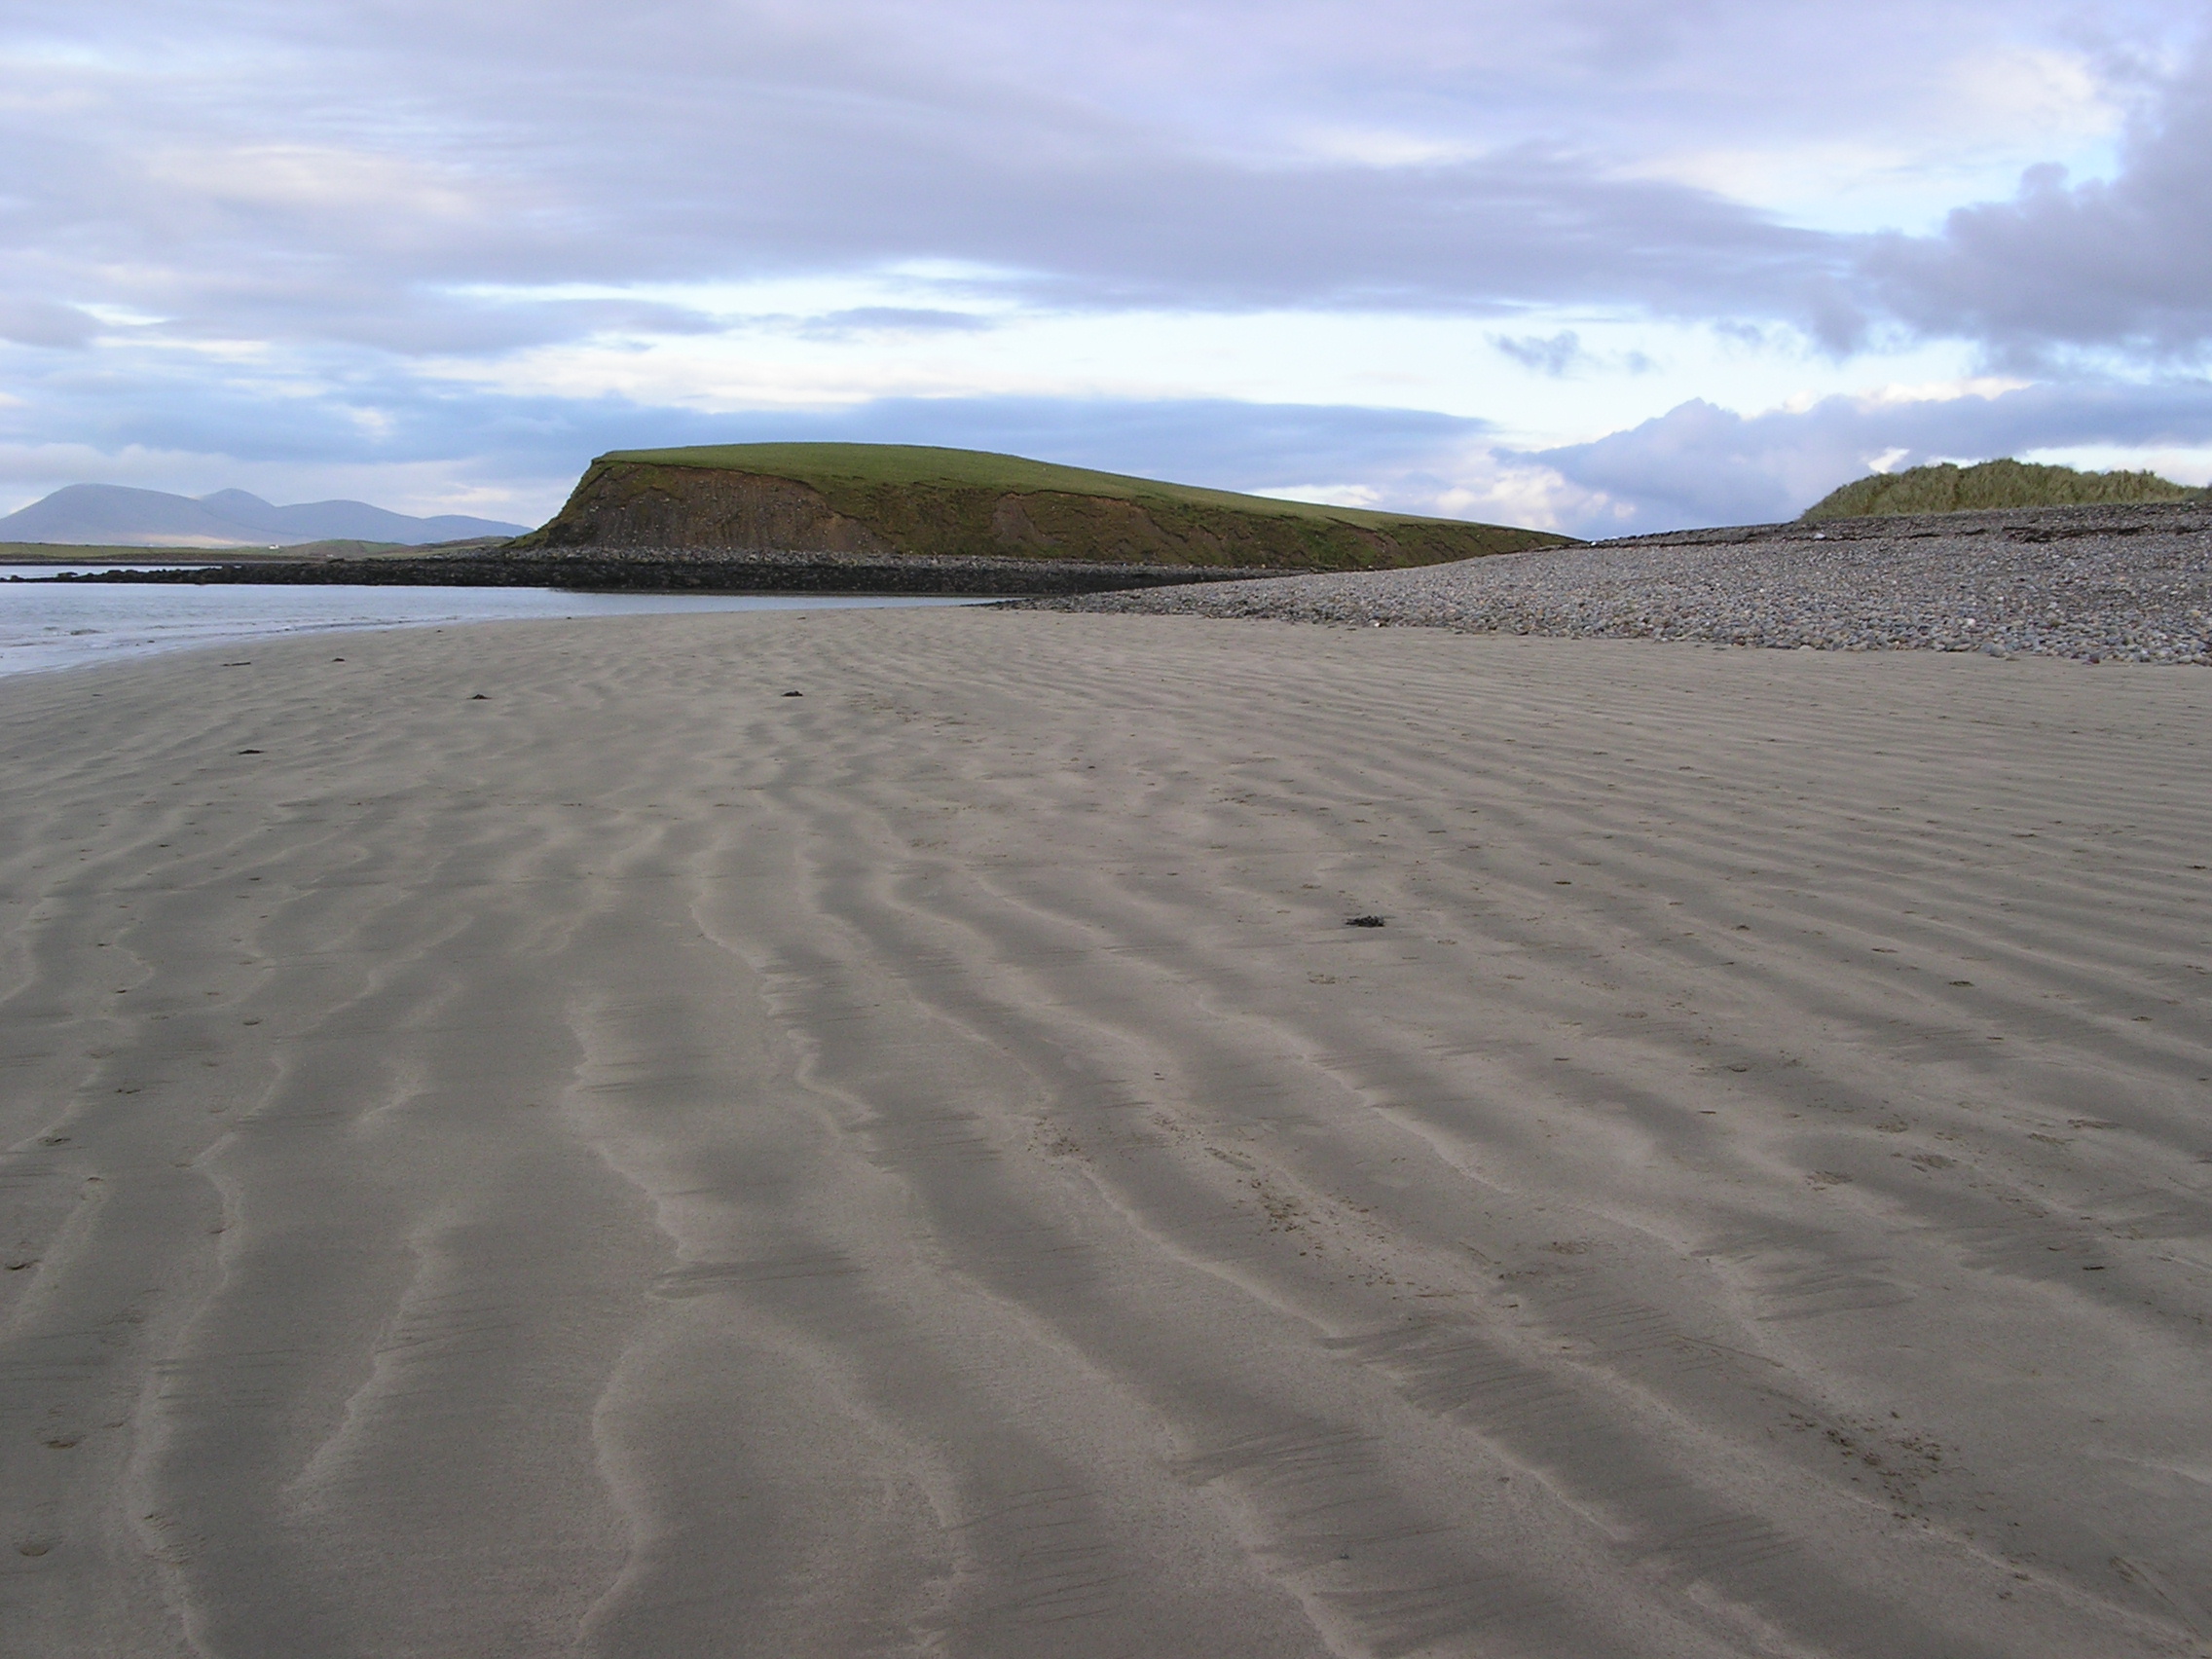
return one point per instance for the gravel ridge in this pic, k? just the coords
(2108, 582)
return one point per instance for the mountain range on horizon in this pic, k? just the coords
(116, 515)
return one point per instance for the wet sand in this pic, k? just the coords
(643, 1164)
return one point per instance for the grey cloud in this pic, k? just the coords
(893, 319)
(270, 193)
(377, 414)
(239, 203)
(2103, 263)
(1563, 354)
(1552, 354)
(1697, 465)
(1137, 226)
(430, 324)
(42, 322)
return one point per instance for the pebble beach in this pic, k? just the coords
(2095, 584)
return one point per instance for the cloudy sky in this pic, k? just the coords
(1593, 264)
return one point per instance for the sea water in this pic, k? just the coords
(48, 625)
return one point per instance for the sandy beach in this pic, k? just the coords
(528, 1139)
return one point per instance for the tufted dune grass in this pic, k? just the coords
(1993, 484)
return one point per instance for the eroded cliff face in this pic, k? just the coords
(627, 506)
(646, 504)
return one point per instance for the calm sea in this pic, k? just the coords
(48, 625)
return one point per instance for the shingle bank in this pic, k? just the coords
(2126, 583)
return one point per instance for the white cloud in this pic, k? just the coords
(2036, 94)
(1941, 390)
(2184, 464)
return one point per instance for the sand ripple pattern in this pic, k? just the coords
(636, 1163)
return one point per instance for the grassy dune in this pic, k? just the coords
(1994, 484)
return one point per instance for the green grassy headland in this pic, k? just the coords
(1992, 485)
(905, 499)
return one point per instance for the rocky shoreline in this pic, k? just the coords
(661, 570)
(2095, 583)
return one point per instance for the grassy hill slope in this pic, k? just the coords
(1994, 484)
(896, 499)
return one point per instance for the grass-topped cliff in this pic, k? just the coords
(898, 499)
(1993, 484)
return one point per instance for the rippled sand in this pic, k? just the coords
(643, 1164)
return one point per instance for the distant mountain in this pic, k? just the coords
(92, 515)
(1948, 489)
